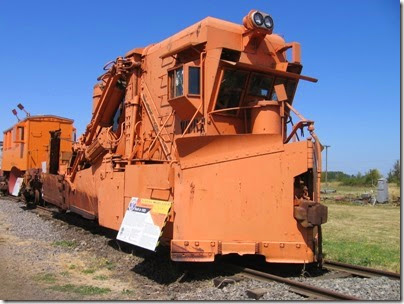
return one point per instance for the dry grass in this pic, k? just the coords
(394, 190)
(363, 234)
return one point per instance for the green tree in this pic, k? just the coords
(394, 176)
(372, 176)
(368, 179)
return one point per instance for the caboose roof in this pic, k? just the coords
(42, 118)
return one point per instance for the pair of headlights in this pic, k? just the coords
(263, 20)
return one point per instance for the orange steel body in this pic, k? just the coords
(26, 144)
(201, 120)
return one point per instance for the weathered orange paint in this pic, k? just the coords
(26, 143)
(221, 153)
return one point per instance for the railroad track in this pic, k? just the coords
(38, 209)
(306, 290)
(313, 292)
(359, 271)
(11, 198)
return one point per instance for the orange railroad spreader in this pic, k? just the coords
(191, 138)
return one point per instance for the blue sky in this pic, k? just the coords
(51, 53)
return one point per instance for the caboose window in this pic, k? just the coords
(20, 132)
(194, 81)
(176, 80)
(231, 90)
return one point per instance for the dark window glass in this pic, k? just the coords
(290, 89)
(261, 86)
(231, 90)
(20, 131)
(194, 81)
(171, 83)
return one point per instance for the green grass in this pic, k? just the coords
(127, 292)
(88, 271)
(110, 265)
(65, 244)
(101, 277)
(363, 254)
(104, 263)
(45, 277)
(81, 289)
(363, 234)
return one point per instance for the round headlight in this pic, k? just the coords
(258, 19)
(269, 23)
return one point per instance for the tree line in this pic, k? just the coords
(368, 179)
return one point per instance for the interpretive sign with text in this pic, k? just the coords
(143, 222)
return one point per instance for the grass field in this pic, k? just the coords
(362, 234)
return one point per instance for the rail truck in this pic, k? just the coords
(192, 144)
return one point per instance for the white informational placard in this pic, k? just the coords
(17, 186)
(44, 167)
(143, 222)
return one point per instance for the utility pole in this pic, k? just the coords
(326, 167)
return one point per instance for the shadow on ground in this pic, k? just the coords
(158, 267)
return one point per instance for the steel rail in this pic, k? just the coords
(360, 270)
(310, 291)
(44, 208)
(11, 198)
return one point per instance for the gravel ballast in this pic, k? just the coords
(75, 251)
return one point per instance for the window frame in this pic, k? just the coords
(169, 81)
(243, 91)
(188, 74)
(185, 85)
(20, 133)
(252, 73)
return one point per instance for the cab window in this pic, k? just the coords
(176, 79)
(290, 87)
(194, 81)
(231, 90)
(261, 86)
